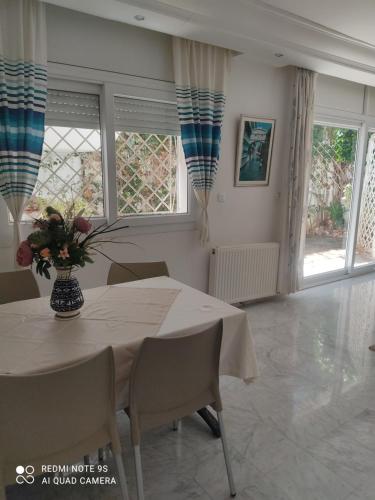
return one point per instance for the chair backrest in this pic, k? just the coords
(173, 377)
(18, 285)
(57, 417)
(134, 271)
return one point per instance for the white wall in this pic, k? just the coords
(248, 214)
(251, 214)
(91, 42)
(337, 94)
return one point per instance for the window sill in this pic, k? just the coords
(141, 224)
(152, 224)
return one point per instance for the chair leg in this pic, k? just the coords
(138, 471)
(226, 455)
(100, 455)
(3, 495)
(122, 476)
(86, 459)
(176, 426)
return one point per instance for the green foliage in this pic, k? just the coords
(52, 211)
(318, 134)
(336, 212)
(341, 143)
(330, 189)
(42, 268)
(39, 238)
(345, 145)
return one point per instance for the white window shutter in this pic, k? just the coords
(145, 116)
(72, 109)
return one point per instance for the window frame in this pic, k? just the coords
(107, 85)
(109, 91)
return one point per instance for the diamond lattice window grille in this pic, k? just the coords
(366, 227)
(70, 172)
(329, 181)
(146, 166)
(328, 177)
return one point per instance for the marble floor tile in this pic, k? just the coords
(302, 477)
(262, 488)
(305, 430)
(361, 429)
(304, 427)
(345, 456)
(366, 491)
(267, 447)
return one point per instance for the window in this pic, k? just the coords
(71, 165)
(150, 170)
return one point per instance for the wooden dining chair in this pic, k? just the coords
(18, 285)
(57, 417)
(133, 271)
(172, 378)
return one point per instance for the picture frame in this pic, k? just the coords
(254, 151)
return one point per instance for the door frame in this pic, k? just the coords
(363, 126)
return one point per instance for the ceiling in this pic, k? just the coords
(335, 37)
(354, 19)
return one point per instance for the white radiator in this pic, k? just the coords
(244, 272)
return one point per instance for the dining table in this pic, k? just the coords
(32, 340)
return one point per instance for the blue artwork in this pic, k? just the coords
(254, 151)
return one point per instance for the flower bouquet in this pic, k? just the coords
(64, 243)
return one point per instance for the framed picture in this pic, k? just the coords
(254, 151)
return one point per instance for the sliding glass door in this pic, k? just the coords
(334, 156)
(340, 219)
(365, 234)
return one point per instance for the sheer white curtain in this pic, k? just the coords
(293, 240)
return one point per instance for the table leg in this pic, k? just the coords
(210, 420)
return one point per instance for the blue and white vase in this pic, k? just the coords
(66, 297)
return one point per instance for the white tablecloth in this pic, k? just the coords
(31, 340)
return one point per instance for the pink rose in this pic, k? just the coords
(82, 225)
(24, 254)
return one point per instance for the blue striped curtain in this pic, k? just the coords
(23, 91)
(201, 73)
